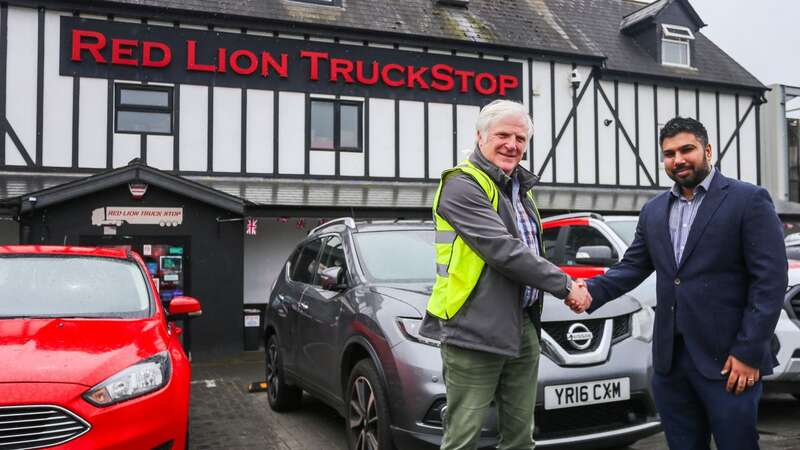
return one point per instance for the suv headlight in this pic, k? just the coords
(410, 329)
(139, 379)
(642, 324)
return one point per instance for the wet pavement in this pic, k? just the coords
(225, 416)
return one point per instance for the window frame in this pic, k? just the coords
(325, 239)
(337, 105)
(297, 255)
(569, 229)
(669, 33)
(321, 2)
(120, 107)
(558, 249)
(688, 53)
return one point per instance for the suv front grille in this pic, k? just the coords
(794, 306)
(622, 328)
(558, 331)
(558, 423)
(30, 427)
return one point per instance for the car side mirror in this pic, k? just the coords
(595, 255)
(182, 308)
(334, 279)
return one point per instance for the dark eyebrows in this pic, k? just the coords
(683, 148)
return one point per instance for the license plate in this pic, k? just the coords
(588, 393)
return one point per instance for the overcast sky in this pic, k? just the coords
(761, 35)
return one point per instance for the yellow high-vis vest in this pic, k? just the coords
(458, 267)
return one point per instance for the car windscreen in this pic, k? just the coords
(66, 286)
(397, 256)
(625, 229)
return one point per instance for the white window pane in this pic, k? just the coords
(143, 122)
(143, 98)
(349, 129)
(675, 52)
(322, 125)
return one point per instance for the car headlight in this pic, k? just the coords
(410, 329)
(642, 324)
(139, 379)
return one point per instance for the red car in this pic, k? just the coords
(89, 357)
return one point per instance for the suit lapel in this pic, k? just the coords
(662, 233)
(713, 199)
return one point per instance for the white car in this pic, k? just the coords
(587, 244)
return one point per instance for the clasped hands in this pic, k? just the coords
(579, 298)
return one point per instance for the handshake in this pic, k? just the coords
(579, 298)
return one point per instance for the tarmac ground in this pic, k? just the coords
(224, 415)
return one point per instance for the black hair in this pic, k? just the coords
(684, 125)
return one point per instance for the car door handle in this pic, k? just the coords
(303, 305)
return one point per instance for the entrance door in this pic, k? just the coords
(166, 258)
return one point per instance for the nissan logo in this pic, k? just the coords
(579, 336)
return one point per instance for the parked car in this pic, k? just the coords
(587, 244)
(342, 324)
(792, 242)
(90, 358)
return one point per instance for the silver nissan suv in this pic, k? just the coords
(342, 324)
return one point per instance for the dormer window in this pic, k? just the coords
(322, 2)
(675, 46)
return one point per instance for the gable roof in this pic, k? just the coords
(585, 30)
(64, 188)
(652, 11)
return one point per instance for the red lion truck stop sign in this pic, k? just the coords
(117, 50)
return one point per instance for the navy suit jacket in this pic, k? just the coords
(727, 291)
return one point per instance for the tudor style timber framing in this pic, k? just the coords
(571, 147)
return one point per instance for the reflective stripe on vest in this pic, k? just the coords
(458, 268)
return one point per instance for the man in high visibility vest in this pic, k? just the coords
(486, 304)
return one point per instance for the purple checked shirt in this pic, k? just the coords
(526, 226)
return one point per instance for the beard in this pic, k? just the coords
(699, 173)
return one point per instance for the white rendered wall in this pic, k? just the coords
(227, 155)
(381, 138)
(193, 128)
(21, 81)
(412, 139)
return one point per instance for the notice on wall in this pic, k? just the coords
(137, 215)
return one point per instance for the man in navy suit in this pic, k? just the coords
(716, 245)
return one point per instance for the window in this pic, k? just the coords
(331, 263)
(675, 47)
(322, 2)
(550, 244)
(335, 125)
(73, 287)
(398, 256)
(305, 266)
(143, 109)
(583, 236)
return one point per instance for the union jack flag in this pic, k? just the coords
(251, 226)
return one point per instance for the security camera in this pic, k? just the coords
(575, 78)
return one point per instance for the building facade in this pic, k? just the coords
(248, 123)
